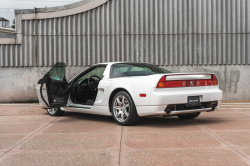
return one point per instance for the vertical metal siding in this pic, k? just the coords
(11, 55)
(163, 32)
(151, 17)
(188, 49)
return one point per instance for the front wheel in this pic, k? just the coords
(124, 110)
(189, 116)
(55, 112)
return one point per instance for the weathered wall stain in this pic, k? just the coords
(233, 80)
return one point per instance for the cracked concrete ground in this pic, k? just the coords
(29, 136)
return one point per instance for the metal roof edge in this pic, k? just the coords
(61, 11)
(52, 9)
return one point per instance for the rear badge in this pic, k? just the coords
(54, 100)
(191, 83)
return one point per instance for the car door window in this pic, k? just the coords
(135, 69)
(98, 71)
(57, 72)
(140, 69)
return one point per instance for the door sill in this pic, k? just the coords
(72, 105)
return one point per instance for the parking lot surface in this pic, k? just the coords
(29, 136)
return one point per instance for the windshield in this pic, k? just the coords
(135, 69)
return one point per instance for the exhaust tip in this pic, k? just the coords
(168, 111)
(212, 108)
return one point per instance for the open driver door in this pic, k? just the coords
(53, 89)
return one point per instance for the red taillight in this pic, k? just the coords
(214, 79)
(186, 83)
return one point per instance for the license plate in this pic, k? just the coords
(193, 101)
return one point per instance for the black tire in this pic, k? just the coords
(55, 112)
(189, 116)
(132, 117)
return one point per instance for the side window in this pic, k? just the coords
(121, 70)
(140, 69)
(57, 72)
(98, 71)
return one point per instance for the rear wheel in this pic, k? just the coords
(55, 112)
(189, 116)
(123, 109)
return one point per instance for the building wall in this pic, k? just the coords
(197, 35)
(5, 24)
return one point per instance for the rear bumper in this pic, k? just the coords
(180, 95)
(161, 110)
(161, 98)
(181, 112)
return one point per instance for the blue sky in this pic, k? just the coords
(7, 6)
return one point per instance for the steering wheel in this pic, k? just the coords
(91, 82)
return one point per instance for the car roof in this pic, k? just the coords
(107, 63)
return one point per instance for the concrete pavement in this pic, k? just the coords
(29, 136)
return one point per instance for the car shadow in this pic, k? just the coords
(174, 121)
(73, 116)
(149, 121)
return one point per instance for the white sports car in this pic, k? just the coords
(129, 90)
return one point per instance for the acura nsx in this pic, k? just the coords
(128, 91)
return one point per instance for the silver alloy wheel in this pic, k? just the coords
(121, 108)
(52, 111)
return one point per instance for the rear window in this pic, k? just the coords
(135, 69)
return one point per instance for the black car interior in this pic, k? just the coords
(84, 89)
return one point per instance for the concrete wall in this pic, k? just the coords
(18, 84)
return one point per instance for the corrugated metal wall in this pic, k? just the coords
(163, 32)
(11, 55)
